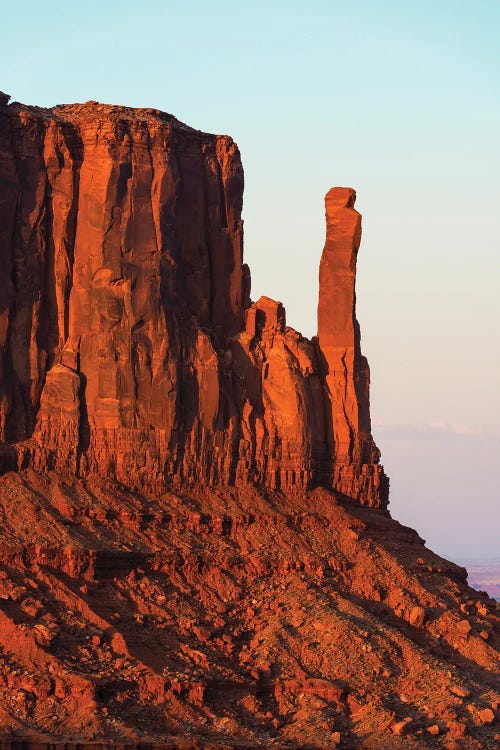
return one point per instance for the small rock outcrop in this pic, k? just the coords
(129, 346)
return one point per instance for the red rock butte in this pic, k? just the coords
(129, 346)
(195, 546)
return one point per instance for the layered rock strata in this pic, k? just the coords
(129, 346)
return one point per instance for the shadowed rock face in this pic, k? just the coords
(128, 343)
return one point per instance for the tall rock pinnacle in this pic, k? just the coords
(129, 346)
(355, 456)
(184, 559)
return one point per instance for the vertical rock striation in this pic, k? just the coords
(247, 605)
(355, 469)
(129, 346)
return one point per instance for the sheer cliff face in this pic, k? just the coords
(128, 343)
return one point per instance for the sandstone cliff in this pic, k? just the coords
(185, 561)
(128, 343)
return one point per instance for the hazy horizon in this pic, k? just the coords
(401, 102)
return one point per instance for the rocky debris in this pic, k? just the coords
(195, 550)
(401, 727)
(129, 346)
(460, 691)
(229, 617)
(417, 617)
(487, 716)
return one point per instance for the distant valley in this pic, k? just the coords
(484, 575)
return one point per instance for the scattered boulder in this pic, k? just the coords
(417, 617)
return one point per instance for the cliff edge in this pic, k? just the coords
(129, 346)
(195, 548)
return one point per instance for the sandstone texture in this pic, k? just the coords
(129, 346)
(356, 471)
(195, 547)
(232, 618)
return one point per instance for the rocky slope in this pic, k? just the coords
(195, 547)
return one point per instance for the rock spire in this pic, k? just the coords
(129, 346)
(355, 456)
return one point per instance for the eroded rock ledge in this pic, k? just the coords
(129, 346)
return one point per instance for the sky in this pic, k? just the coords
(397, 98)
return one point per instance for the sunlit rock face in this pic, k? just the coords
(129, 346)
(184, 559)
(355, 470)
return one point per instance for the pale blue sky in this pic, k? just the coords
(399, 99)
